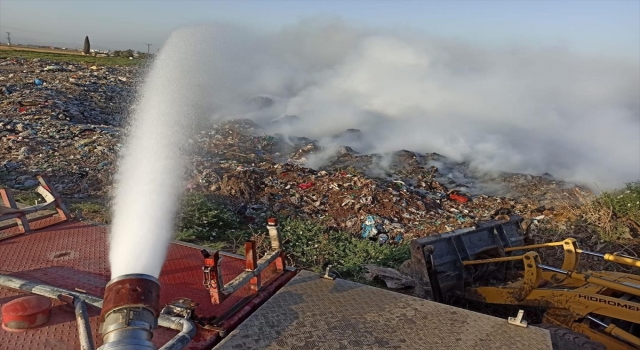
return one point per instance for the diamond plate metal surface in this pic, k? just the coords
(74, 255)
(315, 313)
(9, 229)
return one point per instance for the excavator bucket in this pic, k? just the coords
(436, 261)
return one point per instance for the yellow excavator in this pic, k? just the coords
(493, 264)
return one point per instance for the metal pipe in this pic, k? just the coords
(624, 287)
(130, 312)
(597, 321)
(622, 259)
(46, 290)
(84, 327)
(185, 327)
(617, 332)
(616, 258)
(533, 246)
(187, 331)
(600, 255)
(492, 260)
(554, 269)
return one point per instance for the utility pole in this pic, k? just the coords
(148, 46)
(9, 38)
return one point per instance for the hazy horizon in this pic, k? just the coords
(603, 28)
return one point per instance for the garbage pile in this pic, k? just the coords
(39, 89)
(65, 121)
(62, 120)
(408, 197)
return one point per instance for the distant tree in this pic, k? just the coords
(87, 46)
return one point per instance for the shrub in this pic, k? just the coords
(202, 219)
(615, 214)
(623, 203)
(311, 246)
(308, 244)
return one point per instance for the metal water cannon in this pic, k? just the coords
(130, 312)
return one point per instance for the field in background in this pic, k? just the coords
(40, 49)
(66, 56)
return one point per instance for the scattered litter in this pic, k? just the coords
(53, 68)
(306, 185)
(458, 197)
(369, 227)
(70, 130)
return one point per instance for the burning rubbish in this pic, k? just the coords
(75, 143)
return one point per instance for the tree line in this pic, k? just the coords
(86, 49)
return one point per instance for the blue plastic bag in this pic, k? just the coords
(369, 227)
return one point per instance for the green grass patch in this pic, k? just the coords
(308, 244)
(27, 197)
(90, 60)
(92, 210)
(624, 202)
(614, 215)
(205, 222)
(312, 246)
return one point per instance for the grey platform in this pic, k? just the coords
(315, 313)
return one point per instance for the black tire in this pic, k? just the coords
(566, 339)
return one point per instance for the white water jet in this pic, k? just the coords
(149, 181)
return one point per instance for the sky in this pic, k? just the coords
(606, 27)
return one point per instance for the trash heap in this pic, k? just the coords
(65, 121)
(261, 175)
(39, 89)
(62, 120)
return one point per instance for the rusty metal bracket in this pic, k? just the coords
(251, 258)
(9, 208)
(212, 273)
(212, 276)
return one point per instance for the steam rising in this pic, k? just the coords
(517, 109)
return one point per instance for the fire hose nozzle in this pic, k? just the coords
(130, 312)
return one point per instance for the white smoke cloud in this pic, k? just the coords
(513, 109)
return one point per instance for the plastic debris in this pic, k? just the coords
(458, 197)
(53, 68)
(306, 185)
(369, 227)
(383, 238)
